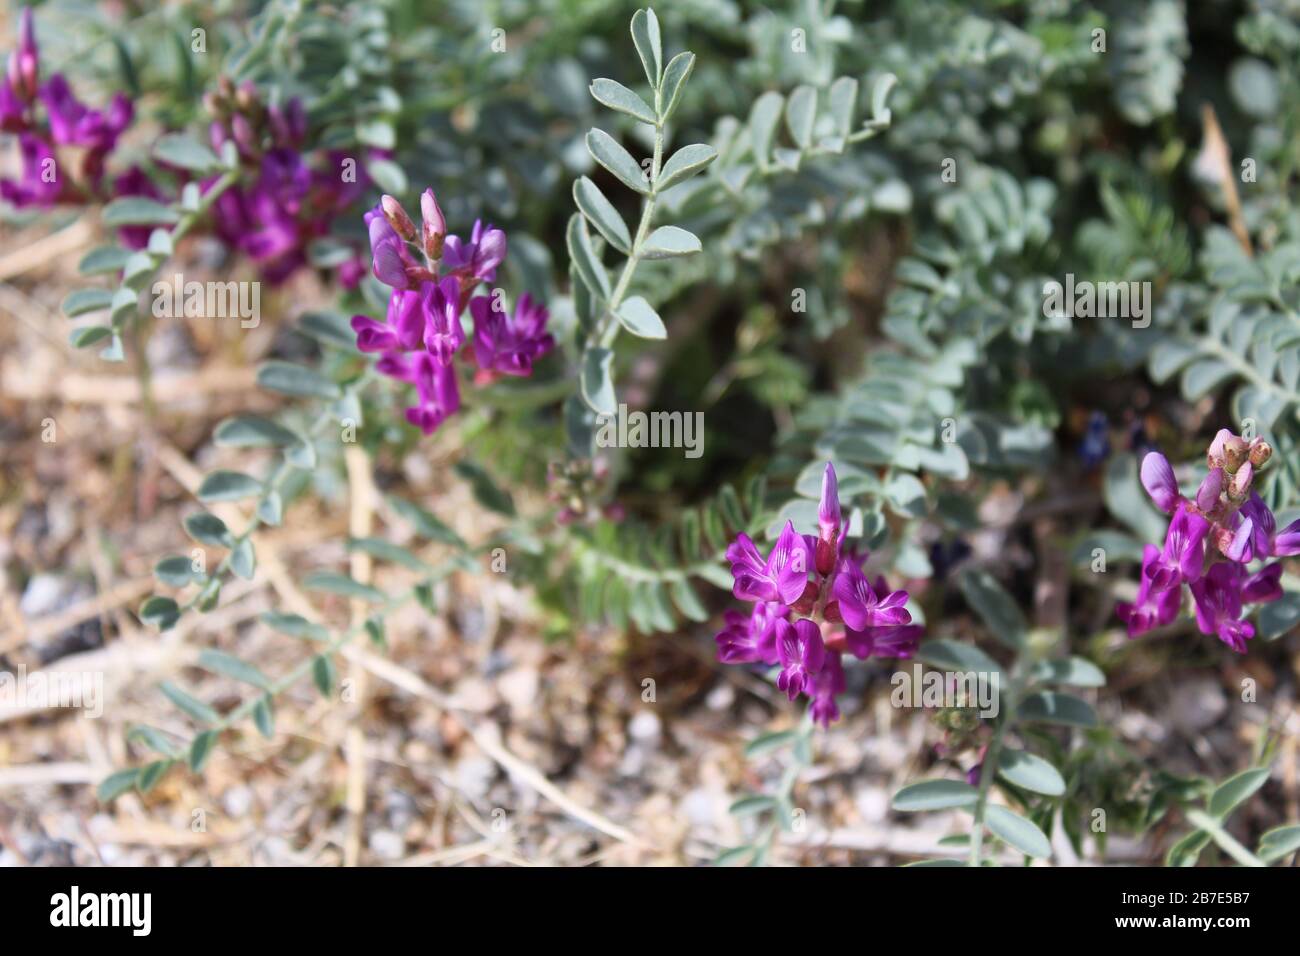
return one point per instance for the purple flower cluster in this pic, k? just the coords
(1210, 541)
(49, 115)
(288, 196)
(842, 611)
(422, 331)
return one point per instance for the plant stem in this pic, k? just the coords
(989, 770)
(608, 331)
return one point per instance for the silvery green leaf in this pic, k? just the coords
(160, 244)
(950, 655)
(1017, 832)
(597, 381)
(638, 317)
(201, 750)
(191, 197)
(293, 379)
(1051, 707)
(584, 257)
(1070, 671)
(270, 510)
(763, 119)
(676, 74)
(295, 625)
(335, 583)
(1278, 843)
(193, 707)
(425, 523)
(264, 716)
(138, 211)
(228, 486)
(1236, 790)
(1030, 771)
(323, 674)
(86, 300)
(137, 270)
(649, 46)
(243, 560)
(998, 610)
(220, 662)
(88, 335)
(1128, 501)
(843, 97)
(669, 241)
(176, 571)
(161, 612)
(600, 212)
(103, 259)
(208, 529)
(388, 175)
(252, 431)
(880, 113)
(801, 114)
(684, 163)
(123, 306)
(185, 152)
(618, 97)
(386, 551)
(610, 153)
(934, 795)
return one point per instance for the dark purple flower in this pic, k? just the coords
(443, 333)
(860, 607)
(1264, 585)
(435, 384)
(477, 258)
(1184, 551)
(509, 345)
(402, 332)
(389, 254)
(888, 640)
(751, 638)
(782, 577)
(801, 653)
(1218, 606)
(40, 184)
(1155, 606)
(826, 684)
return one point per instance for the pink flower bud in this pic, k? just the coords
(397, 217)
(434, 229)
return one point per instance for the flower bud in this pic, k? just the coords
(24, 63)
(397, 217)
(1260, 452)
(1227, 451)
(434, 230)
(1241, 481)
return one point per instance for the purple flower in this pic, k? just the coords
(13, 108)
(751, 638)
(1184, 551)
(477, 258)
(435, 384)
(24, 62)
(40, 184)
(389, 254)
(1159, 481)
(826, 683)
(509, 345)
(1155, 606)
(782, 577)
(828, 521)
(443, 333)
(1264, 585)
(801, 653)
(860, 607)
(402, 332)
(888, 640)
(1218, 606)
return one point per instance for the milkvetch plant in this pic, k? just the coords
(829, 236)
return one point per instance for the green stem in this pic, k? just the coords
(609, 329)
(989, 770)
